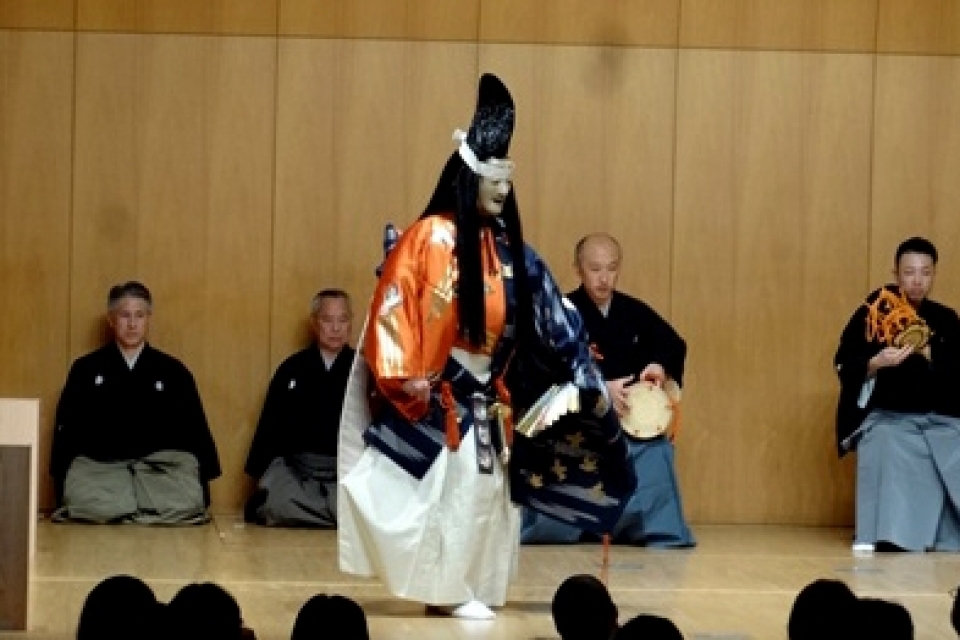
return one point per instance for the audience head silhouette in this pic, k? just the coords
(315, 616)
(822, 610)
(955, 610)
(649, 627)
(583, 610)
(119, 607)
(877, 618)
(205, 610)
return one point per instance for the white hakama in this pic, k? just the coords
(446, 539)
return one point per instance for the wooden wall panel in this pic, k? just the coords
(916, 163)
(396, 107)
(36, 112)
(737, 189)
(370, 150)
(612, 22)
(339, 177)
(206, 207)
(106, 217)
(770, 283)
(439, 96)
(307, 18)
(839, 25)
(202, 137)
(638, 136)
(305, 239)
(757, 162)
(246, 17)
(37, 14)
(836, 130)
(594, 145)
(919, 26)
(559, 178)
(455, 20)
(819, 25)
(372, 19)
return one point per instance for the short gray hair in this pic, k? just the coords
(129, 289)
(329, 293)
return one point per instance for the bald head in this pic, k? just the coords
(598, 265)
(587, 242)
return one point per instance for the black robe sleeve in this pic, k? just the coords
(202, 445)
(266, 443)
(631, 336)
(662, 344)
(65, 430)
(850, 361)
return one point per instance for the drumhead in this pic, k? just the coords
(915, 335)
(651, 409)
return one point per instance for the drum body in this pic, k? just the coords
(893, 321)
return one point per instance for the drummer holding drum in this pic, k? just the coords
(642, 358)
(899, 409)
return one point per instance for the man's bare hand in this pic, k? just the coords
(419, 388)
(888, 357)
(618, 394)
(654, 373)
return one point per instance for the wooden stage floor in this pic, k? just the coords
(738, 583)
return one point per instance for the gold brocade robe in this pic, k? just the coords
(413, 316)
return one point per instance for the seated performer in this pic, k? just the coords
(631, 342)
(899, 409)
(294, 451)
(429, 468)
(131, 442)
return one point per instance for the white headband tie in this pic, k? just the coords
(501, 170)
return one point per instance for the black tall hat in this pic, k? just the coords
(492, 126)
(488, 137)
(456, 192)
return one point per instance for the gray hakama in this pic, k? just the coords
(161, 488)
(908, 480)
(299, 491)
(293, 455)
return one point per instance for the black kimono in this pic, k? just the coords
(917, 385)
(112, 417)
(293, 454)
(630, 336)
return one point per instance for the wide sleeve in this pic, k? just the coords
(66, 430)
(667, 347)
(266, 443)
(559, 329)
(854, 351)
(201, 440)
(945, 348)
(850, 363)
(412, 319)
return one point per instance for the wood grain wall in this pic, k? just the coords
(759, 159)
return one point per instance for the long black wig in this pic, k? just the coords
(457, 192)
